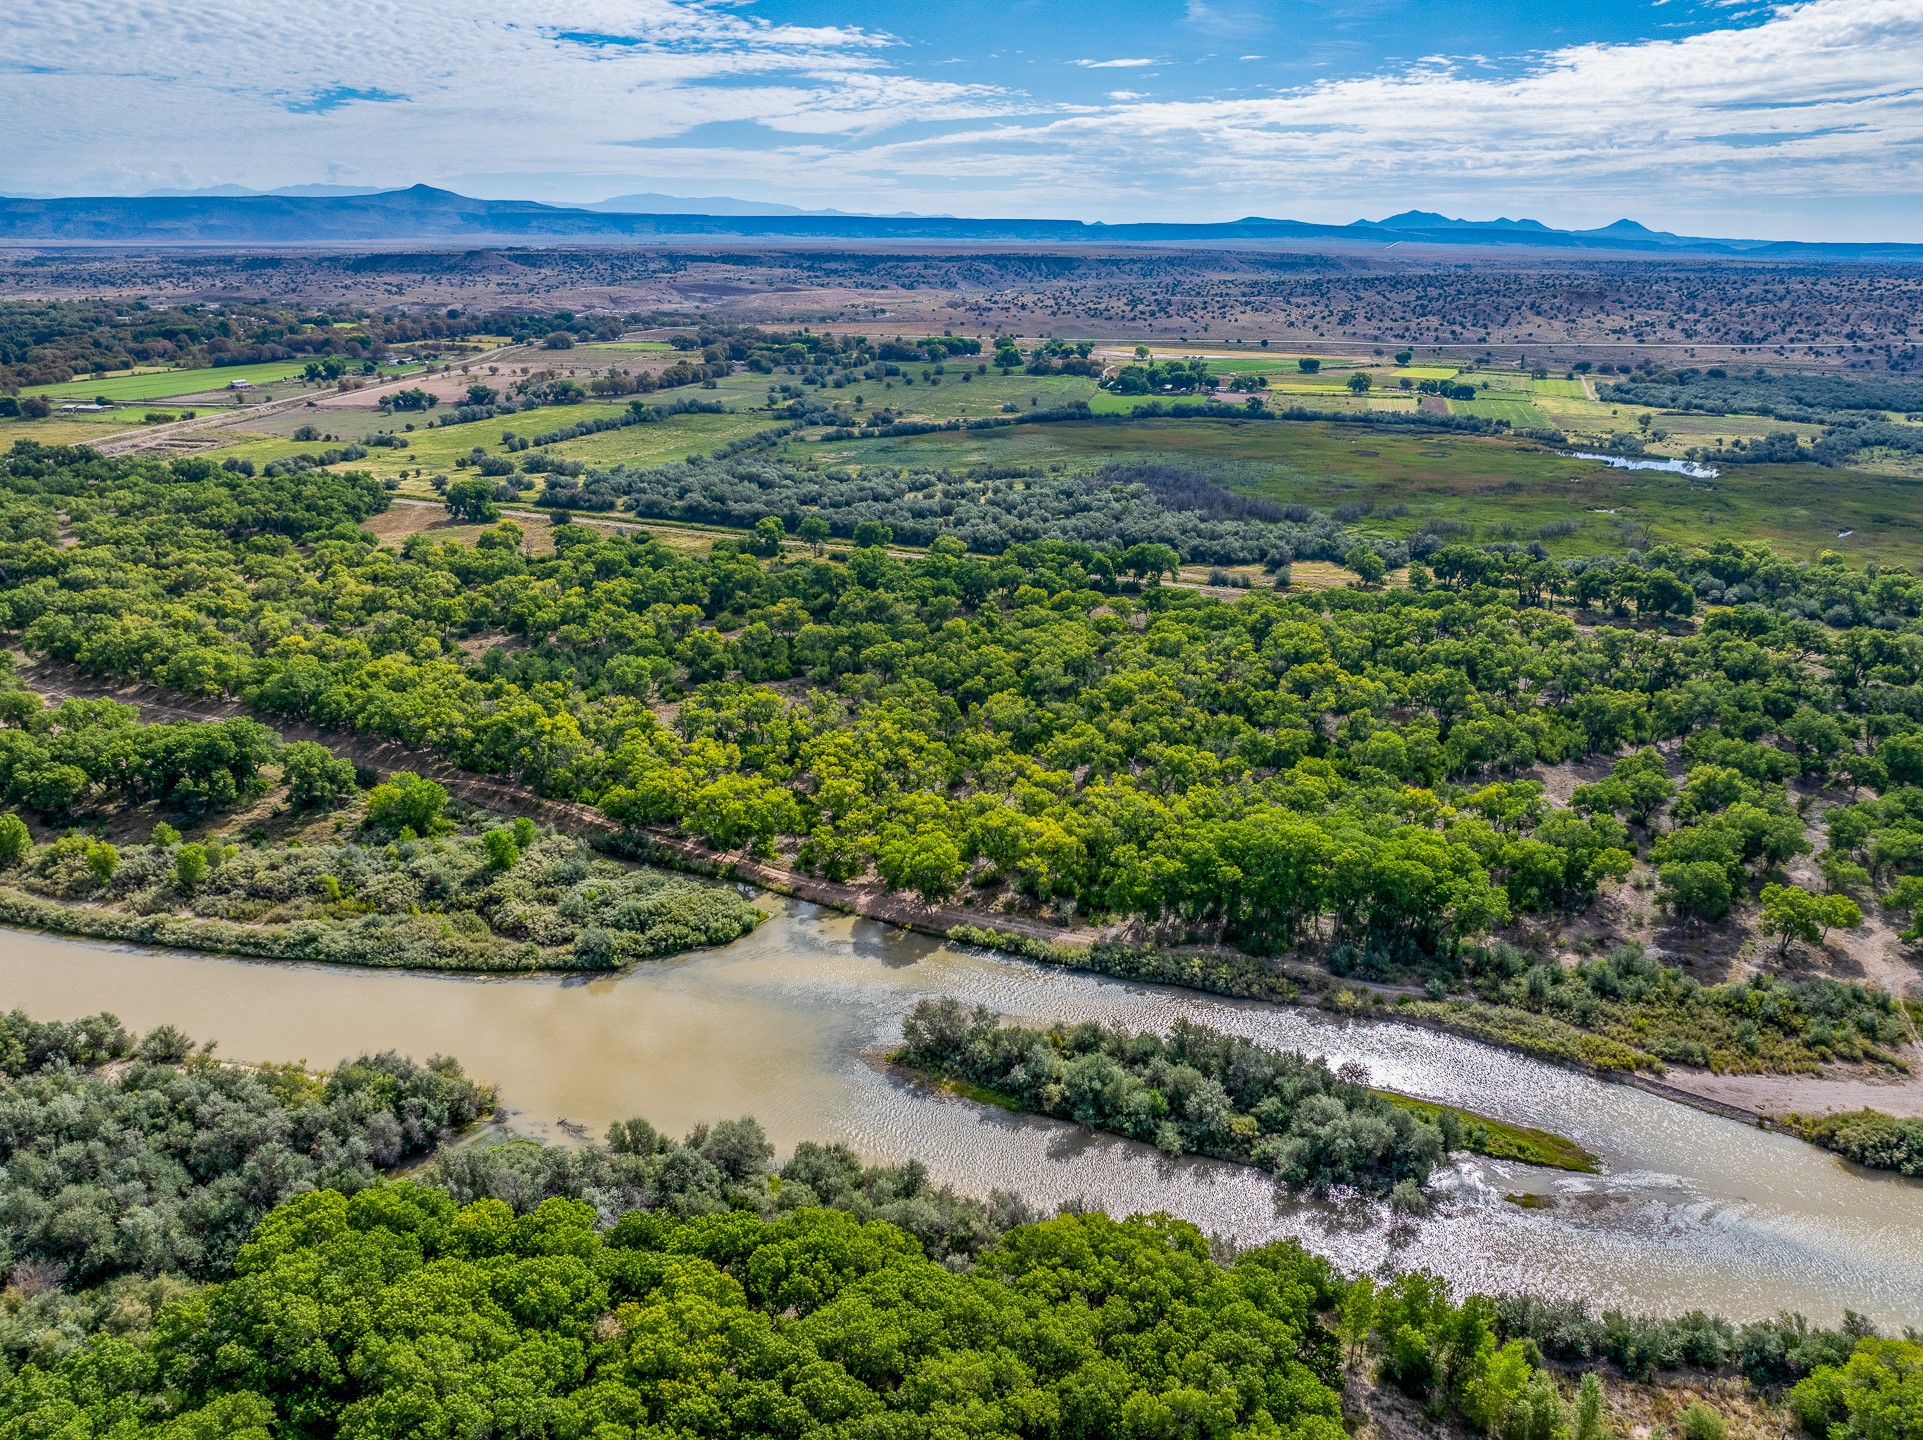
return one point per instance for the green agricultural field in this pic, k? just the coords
(429, 445)
(1508, 382)
(980, 396)
(1265, 364)
(1482, 489)
(1296, 383)
(435, 447)
(1517, 411)
(59, 429)
(627, 347)
(158, 384)
(672, 439)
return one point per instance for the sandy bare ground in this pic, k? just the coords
(1807, 1094)
(403, 518)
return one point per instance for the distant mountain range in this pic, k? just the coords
(649, 204)
(426, 215)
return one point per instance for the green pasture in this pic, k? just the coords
(1296, 381)
(1268, 364)
(1518, 412)
(434, 448)
(978, 397)
(59, 429)
(1482, 489)
(673, 439)
(1509, 382)
(431, 446)
(629, 347)
(158, 384)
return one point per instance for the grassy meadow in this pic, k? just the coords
(1488, 490)
(1394, 483)
(59, 429)
(160, 384)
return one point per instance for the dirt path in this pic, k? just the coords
(195, 434)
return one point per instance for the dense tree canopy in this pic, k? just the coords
(397, 1313)
(1335, 766)
(169, 1164)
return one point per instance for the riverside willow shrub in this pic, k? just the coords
(1773, 1352)
(418, 1317)
(167, 1166)
(1869, 1137)
(1761, 1024)
(988, 509)
(1282, 770)
(1195, 1091)
(453, 902)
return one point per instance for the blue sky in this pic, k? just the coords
(1801, 120)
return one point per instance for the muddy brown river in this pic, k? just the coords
(1694, 1211)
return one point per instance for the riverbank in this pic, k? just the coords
(1691, 1211)
(312, 942)
(1199, 1090)
(1499, 1140)
(1753, 1099)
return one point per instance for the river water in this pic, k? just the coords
(1693, 1210)
(1671, 467)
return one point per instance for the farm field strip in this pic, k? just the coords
(160, 384)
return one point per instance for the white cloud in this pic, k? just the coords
(184, 91)
(1819, 101)
(1805, 115)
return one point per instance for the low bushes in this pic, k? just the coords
(1869, 1137)
(474, 901)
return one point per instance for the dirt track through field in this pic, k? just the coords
(195, 434)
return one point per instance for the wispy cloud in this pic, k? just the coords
(1667, 122)
(1800, 110)
(118, 91)
(1227, 18)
